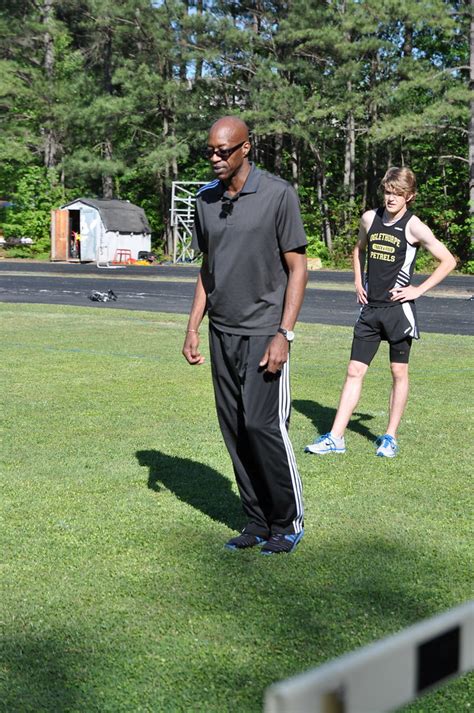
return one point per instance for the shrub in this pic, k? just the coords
(37, 193)
(425, 262)
(316, 248)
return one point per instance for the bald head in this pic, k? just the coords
(227, 148)
(232, 127)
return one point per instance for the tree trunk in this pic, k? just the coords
(278, 144)
(408, 41)
(294, 164)
(165, 195)
(349, 154)
(349, 169)
(199, 62)
(255, 155)
(164, 200)
(174, 162)
(320, 176)
(256, 17)
(372, 147)
(182, 45)
(365, 173)
(50, 141)
(107, 179)
(348, 180)
(445, 194)
(471, 125)
(321, 193)
(48, 39)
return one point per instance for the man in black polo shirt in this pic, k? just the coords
(252, 281)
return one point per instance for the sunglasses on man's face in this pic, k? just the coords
(222, 153)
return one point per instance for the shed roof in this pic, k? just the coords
(117, 215)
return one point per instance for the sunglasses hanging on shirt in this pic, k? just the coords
(227, 207)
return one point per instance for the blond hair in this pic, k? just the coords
(400, 180)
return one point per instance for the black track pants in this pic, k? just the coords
(253, 409)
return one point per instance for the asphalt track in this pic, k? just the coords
(170, 288)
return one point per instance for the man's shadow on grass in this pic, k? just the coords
(195, 484)
(323, 416)
(42, 672)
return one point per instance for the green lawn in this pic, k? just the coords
(117, 495)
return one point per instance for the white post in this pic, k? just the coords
(385, 675)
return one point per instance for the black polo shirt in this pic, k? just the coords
(244, 237)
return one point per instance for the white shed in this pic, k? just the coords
(99, 231)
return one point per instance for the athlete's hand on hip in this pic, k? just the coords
(191, 349)
(404, 294)
(275, 355)
(361, 295)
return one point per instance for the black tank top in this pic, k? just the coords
(390, 258)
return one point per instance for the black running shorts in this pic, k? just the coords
(395, 324)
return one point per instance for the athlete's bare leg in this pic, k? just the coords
(349, 397)
(398, 397)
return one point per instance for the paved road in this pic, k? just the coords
(463, 283)
(171, 288)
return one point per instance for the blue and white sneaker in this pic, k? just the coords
(281, 543)
(387, 446)
(326, 444)
(244, 541)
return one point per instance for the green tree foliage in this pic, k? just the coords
(38, 191)
(116, 99)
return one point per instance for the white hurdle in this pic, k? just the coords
(386, 674)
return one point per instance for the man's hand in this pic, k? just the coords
(191, 349)
(276, 354)
(405, 294)
(361, 294)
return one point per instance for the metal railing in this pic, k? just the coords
(183, 200)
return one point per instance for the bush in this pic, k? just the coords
(425, 262)
(316, 248)
(341, 255)
(37, 193)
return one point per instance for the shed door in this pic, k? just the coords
(59, 235)
(90, 230)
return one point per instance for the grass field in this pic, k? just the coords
(117, 495)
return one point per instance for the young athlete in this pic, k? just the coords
(387, 244)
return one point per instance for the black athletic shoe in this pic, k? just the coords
(281, 543)
(244, 541)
